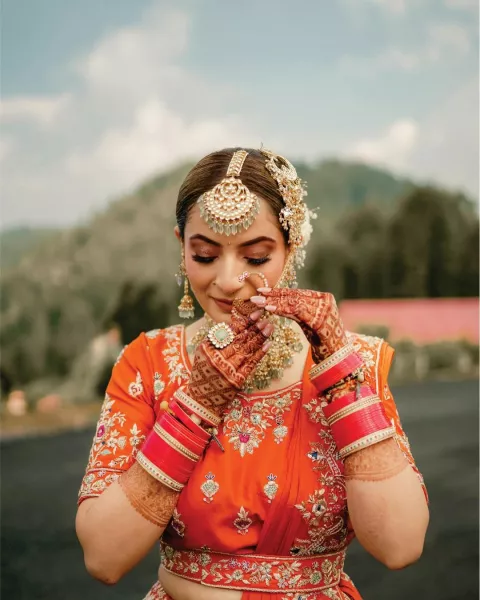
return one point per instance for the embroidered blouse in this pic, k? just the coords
(280, 468)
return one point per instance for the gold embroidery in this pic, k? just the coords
(209, 487)
(271, 488)
(177, 524)
(135, 389)
(246, 424)
(243, 521)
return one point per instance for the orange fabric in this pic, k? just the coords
(278, 488)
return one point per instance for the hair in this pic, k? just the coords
(210, 171)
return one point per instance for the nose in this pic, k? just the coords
(227, 277)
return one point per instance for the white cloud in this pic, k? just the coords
(135, 112)
(444, 41)
(157, 136)
(39, 109)
(395, 7)
(6, 146)
(462, 5)
(391, 148)
(442, 148)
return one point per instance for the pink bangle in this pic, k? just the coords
(334, 368)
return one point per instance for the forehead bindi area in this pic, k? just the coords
(265, 228)
(243, 244)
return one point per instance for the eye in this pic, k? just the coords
(203, 259)
(258, 261)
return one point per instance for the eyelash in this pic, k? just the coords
(251, 261)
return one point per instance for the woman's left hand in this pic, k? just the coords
(315, 312)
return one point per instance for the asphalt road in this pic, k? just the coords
(41, 558)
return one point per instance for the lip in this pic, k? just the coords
(224, 305)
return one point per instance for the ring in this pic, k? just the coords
(221, 335)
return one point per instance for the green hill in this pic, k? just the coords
(17, 242)
(61, 292)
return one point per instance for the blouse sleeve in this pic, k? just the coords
(127, 415)
(386, 358)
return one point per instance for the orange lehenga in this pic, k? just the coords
(268, 515)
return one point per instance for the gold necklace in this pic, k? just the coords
(285, 343)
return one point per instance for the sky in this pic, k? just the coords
(99, 95)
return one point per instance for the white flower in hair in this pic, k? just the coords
(306, 228)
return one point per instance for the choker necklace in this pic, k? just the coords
(285, 343)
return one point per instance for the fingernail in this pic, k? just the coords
(266, 345)
(267, 330)
(261, 324)
(260, 300)
(264, 290)
(270, 308)
(256, 315)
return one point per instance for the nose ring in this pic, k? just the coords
(247, 274)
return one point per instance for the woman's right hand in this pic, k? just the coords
(218, 374)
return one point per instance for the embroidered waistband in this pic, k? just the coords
(255, 572)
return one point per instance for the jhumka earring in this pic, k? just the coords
(186, 308)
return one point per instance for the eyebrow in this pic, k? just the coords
(262, 238)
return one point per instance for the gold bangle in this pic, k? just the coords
(331, 361)
(172, 442)
(197, 408)
(157, 473)
(353, 408)
(368, 440)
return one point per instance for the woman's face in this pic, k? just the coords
(214, 261)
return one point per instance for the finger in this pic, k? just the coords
(256, 315)
(267, 329)
(258, 300)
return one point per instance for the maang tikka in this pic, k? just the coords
(230, 206)
(186, 308)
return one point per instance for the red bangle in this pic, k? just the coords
(357, 423)
(334, 368)
(338, 404)
(187, 421)
(184, 435)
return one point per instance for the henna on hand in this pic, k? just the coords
(218, 374)
(376, 463)
(315, 312)
(150, 498)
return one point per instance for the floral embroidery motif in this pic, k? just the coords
(245, 425)
(177, 524)
(158, 385)
(178, 372)
(243, 521)
(271, 488)
(256, 572)
(135, 389)
(209, 487)
(326, 523)
(108, 442)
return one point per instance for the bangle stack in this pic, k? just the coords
(336, 367)
(358, 420)
(171, 451)
(176, 442)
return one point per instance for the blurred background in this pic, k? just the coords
(105, 107)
